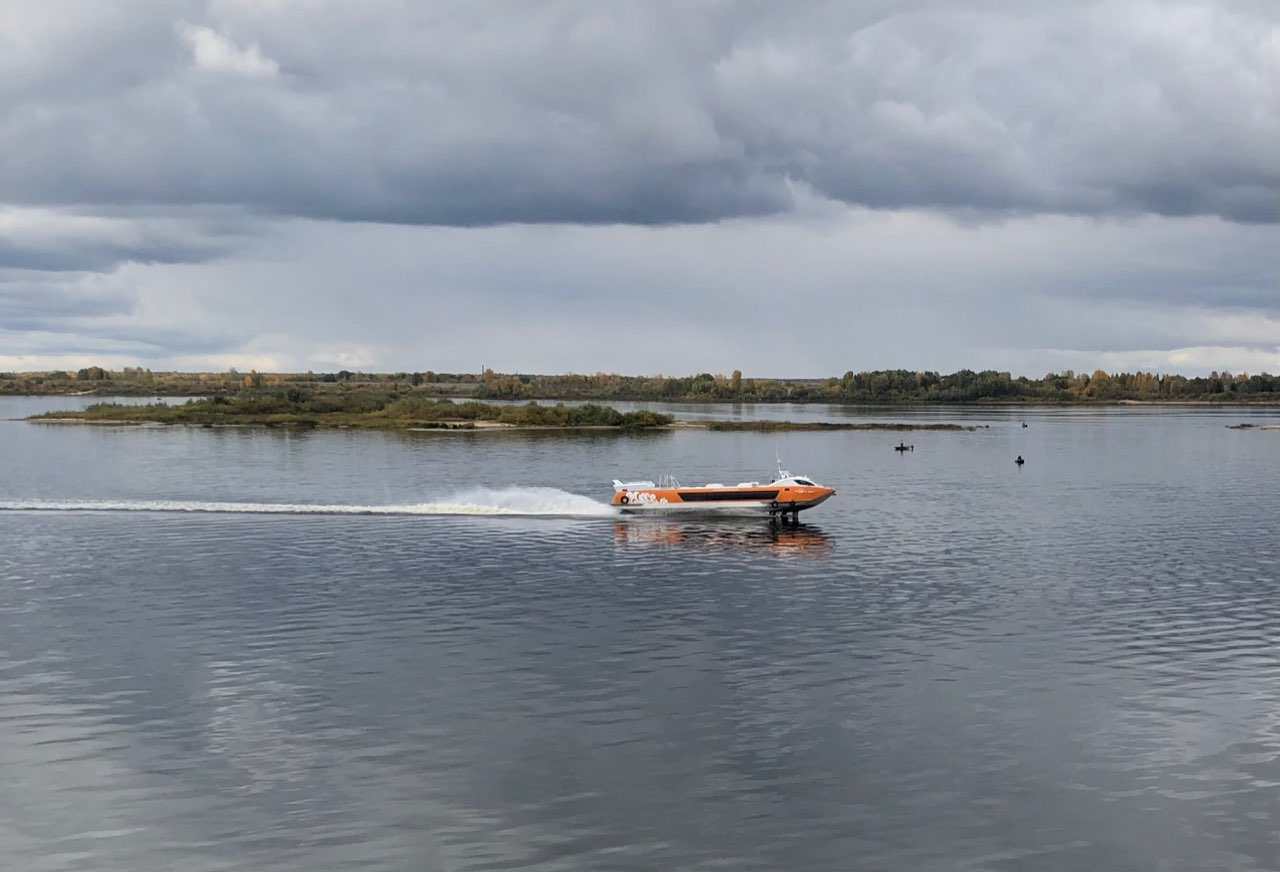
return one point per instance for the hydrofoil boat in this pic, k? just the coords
(785, 496)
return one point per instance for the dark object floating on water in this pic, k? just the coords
(1019, 461)
(901, 446)
(1024, 425)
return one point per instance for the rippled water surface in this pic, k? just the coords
(256, 650)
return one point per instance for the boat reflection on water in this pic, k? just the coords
(802, 540)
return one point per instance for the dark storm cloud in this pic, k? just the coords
(77, 313)
(1184, 263)
(84, 317)
(153, 342)
(142, 348)
(478, 113)
(100, 255)
(66, 302)
(57, 241)
(31, 303)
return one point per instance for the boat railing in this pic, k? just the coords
(668, 480)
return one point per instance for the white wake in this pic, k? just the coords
(526, 501)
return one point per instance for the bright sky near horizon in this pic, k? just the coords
(789, 189)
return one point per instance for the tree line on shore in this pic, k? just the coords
(893, 386)
(875, 387)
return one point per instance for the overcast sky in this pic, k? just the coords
(789, 189)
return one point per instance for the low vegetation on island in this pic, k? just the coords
(371, 410)
(297, 407)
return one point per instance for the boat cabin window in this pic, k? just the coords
(805, 482)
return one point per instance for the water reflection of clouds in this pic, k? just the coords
(255, 723)
(67, 763)
(755, 536)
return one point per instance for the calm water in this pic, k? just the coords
(954, 664)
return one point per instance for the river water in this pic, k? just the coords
(234, 649)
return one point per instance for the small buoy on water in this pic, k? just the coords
(1024, 425)
(1019, 461)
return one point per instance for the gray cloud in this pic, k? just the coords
(31, 303)
(84, 340)
(855, 286)
(553, 186)
(65, 240)
(648, 113)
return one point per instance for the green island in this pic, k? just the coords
(365, 410)
(880, 387)
(360, 410)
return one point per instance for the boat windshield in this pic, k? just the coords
(805, 482)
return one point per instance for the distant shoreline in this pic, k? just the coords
(897, 387)
(904, 404)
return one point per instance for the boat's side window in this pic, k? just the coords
(805, 482)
